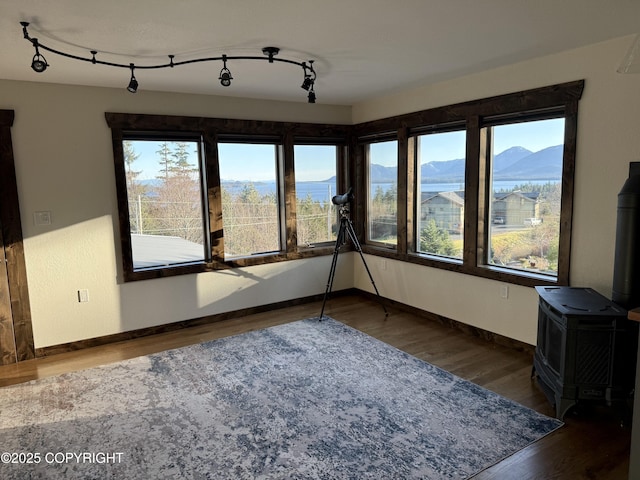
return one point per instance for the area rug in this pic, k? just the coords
(306, 400)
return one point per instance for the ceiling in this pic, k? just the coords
(362, 48)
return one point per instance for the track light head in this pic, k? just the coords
(309, 78)
(133, 83)
(38, 62)
(307, 83)
(225, 75)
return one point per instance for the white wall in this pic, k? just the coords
(608, 139)
(64, 164)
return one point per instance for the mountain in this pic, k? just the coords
(542, 165)
(381, 174)
(452, 171)
(444, 171)
(515, 163)
(509, 157)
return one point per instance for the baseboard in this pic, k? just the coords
(171, 327)
(455, 324)
(209, 319)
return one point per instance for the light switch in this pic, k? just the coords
(42, 218)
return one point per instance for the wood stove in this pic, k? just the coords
(586, 348)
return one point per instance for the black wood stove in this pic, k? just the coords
(586, 349)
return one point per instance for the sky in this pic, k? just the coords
(255, 162)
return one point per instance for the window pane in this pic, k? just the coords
(250, 212)
(440, 176)
(165, 202)
(382, 192)
(315, 170)
(526, 183)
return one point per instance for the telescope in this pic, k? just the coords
(345, 232)
(344, 198)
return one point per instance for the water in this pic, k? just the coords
(323, 191)
(319, 191)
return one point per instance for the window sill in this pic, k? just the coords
(237, 262)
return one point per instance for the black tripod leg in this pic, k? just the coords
(334, 262)
(356, 243)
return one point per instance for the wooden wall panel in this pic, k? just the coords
(13, 253)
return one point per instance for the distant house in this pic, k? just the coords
(446, 208)
(512, 208)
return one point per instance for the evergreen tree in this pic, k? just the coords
(436, 240)
(136, 192)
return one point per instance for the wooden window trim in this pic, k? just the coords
(562, 97)
(352, 172)
(210, 129)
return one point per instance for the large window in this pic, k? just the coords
(382, 192)
(316, 184)
(201, 194)
(250, 198)
(482, 188)
(164, 193)
(526, 192)
(440, 177)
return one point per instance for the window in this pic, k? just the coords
(484, 187)
(316, 184)
(382, 192)
(440, 199)
(526, 190)
(250, 198)
(201, 194)
(240, 192)
(166, 211)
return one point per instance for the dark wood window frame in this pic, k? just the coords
(124, 126)
(556, 100)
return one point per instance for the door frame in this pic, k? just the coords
(18, 324)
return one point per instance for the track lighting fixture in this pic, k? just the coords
(225, 75)
(309, 80)
(39, 64)
(133, 83)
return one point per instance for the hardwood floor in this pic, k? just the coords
(592, 445)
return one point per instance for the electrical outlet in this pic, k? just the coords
(384, 264)
(83, 295)
(504, 291)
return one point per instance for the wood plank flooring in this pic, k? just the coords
(592, 445)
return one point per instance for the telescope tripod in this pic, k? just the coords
(346, 230)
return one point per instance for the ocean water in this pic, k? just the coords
(323, 191)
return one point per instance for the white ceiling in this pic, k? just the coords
(362, 48)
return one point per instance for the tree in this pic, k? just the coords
(436, 240)
(136, 192)
(316, 221)
(250, 222)
(165, 160)
(177, 204)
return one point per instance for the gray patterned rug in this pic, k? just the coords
(306, 400)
